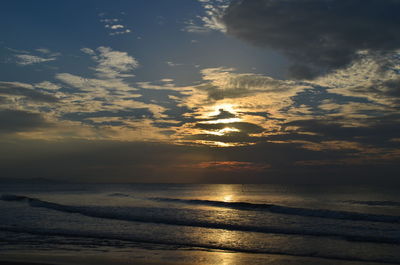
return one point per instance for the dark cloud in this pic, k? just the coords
(377, 132)
(17, 121)
(3, 100)
(139, 113)
(263, 114)
(388, 88)
(386, 91)
(216, 93)
(31, 94)
(318, 35)
(393, 87)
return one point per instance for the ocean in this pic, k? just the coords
(199, 224)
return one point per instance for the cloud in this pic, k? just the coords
(192, 27)
(96, 86)
(224, 83)
(48, 85)
(48, 52)
(138, 113)
(371, 77)
(110, 20)
(26, 59)
(108, 103)
(231, 166)
(122, 32)
(172, 64)
(3, 100)
(375, 131)
(115, 26)
(26, 91)
(43, 50)
(112, 26)
(97, 97)
(211, 20)
(113, 63)
(88, 51)
(105, 106)
(319, 36)
(17, 120)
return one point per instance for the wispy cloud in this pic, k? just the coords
(111, 63)
(41, 55)
(211, 20)
(26, 59)
(114, 26)
(88, 51)
(173, 64)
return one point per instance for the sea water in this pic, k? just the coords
(261, 224)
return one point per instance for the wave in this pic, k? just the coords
(189, 245)
(375, 203)
(306, 212)
(111, 213)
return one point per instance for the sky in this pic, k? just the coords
(204, 91)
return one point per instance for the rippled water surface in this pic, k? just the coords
(296, 224)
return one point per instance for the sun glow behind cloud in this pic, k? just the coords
(226, 109)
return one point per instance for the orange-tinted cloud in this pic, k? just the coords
(232, 166)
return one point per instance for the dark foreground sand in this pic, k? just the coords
(160, 257)
(20, 263)
(137, 262)
(117, 258)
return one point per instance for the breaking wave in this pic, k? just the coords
(129, 214)
(321, 213)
